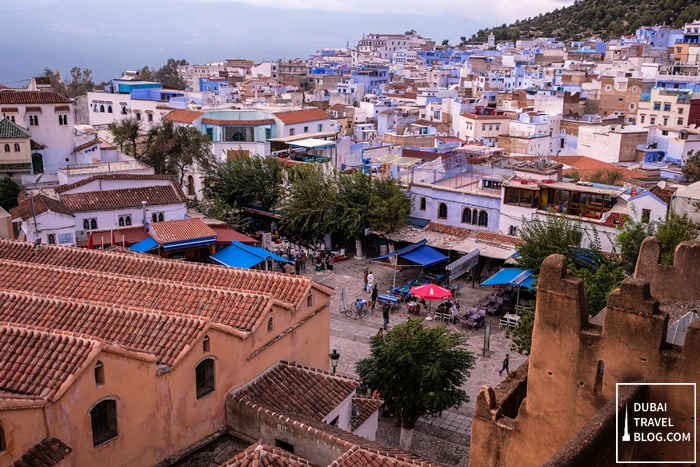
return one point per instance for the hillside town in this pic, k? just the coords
(137, 267)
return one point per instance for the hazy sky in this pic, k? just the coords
(110, 37)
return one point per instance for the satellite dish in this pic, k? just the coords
(662, 184)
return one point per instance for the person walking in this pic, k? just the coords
(303, 258)
(370, 281)
(385, 314)
(366, 273)
(506, 361)
(297, 266)
(375, 292)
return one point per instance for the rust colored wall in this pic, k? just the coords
(23, 426)
(563, 388)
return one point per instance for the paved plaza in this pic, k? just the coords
(442, 439)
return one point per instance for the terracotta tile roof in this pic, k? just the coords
(238, 310)
(225, 235)
(663, 194)
(287, 288)
(493, 237)
(37, 363)
(42, 204)
(47, 453)
(85, 181)
(586, 166)
(124, 198)
(613, 217)
(180, 231)
(300, 116)
(265, 121)
(422, 155)
(289, 388)
(358, 457)
(263, 455)
(32, 97)
(94, 142)
(367, 405)
(130, 235)
(162, 334)
(183, 116)
(9, 129)
(449, 229)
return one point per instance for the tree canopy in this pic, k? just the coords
(309, 208)
(126, 131)
(691, 168)
(9, 190)
(80, 81)
(418, 371)
(168, 74)
(172, 149)
(256, 180)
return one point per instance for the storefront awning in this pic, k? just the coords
(419, 253)
(144, 245)
(240, 255)
(312, 143)
(512, 276)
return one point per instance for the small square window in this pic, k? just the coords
(310, 300)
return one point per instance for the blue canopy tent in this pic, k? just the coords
(240, 255)
(144, 245)
(419, 253)
(516, 277)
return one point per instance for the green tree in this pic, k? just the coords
(556, 234)
(630, 239)
(9, 190)
(146, 74)
(55, 80)
(80, 83)
(674, 230)
(256, 180)
(691, 168)
(411, 32)
(169, 76)
(418, 371)
(446, 42)
(522, 334)
(607, 177)
(310, 202)
(388, 205)
(174, 149)
(214, 207)
(126, 131)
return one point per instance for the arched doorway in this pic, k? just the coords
(37, 163)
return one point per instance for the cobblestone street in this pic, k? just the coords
(442, 439)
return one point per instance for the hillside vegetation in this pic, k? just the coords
(602, 18)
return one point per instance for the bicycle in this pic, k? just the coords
(351, 312)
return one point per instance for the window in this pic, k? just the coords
(271, 324)
(513, 230)
(102, 108)
(190, 185)
(37, 163)
(491, 184)
(657, 106)
(466, 216)
(291, 132)
(33, 120)
(124, 220)
(667, 107)
(90, 224)
(7, 148)
(150, 117)
(306, 129)
(243, 134)
(664, 132)
(51, 239)
(620, 99)
(63, 120)
(631, 106)
(109, 109)
(652, 120)
(679, 121)
(310, 300)
(665, 120)
(680, 110)
(123, 112)
(600, 371)
(206, 345)
(442, 211)
(138, 116)
(3, 445)
(320, 127)
(204, 375)
(99, 374)
(157, 217)
(104, 422)
(484, 219)
(608, 87)
(422, 204)
(646, 215)
(483, 127)
(284, 445)
(642, 118)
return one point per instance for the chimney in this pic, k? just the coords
(145, 219)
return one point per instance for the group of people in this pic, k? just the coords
(300, 259)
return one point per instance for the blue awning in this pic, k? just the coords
(193, 243)
(419, 253)
(240, 255)
(512, 276)
(144, 245)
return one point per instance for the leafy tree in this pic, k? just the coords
(146, 74)
(522, 334)
(353, 203)
(556, 234)
(691, 168)
(446, 42)
(630, 239)
(216, 208)
(388, 205)
(256, 180)
(55, 80)
(173, 149)
(418, 371)
(607, 177)
(574, 174)
(169, 76)
(412, 32)
(9, 190)
(80, 83)
(126, 131)
(674, 230)
(309, 206)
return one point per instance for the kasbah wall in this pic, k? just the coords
(564, 387)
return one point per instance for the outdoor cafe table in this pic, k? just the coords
(510, 320)
(393, 300)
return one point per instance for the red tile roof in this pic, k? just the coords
(615, 217)
(88, 144)
(180, 231)
(225, 235)
(37, 363)
(449, 229)
(85, 181)
(263, 455)
(367, 406)
(493, 237)
(162, 334)
(286, 288)
(183, 116)
(130, 235)
(236, 309)
(265, 121)
(41, 204)
(663, 194)
(47, 453)
(301, 116)
(290, 388)
(124, 198)
(483, 235)
(359, 457)
(32, 97)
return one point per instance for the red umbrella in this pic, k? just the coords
(431, 292)
(90, 244)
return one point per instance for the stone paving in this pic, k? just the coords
(442, 439)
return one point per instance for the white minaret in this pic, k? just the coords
(626, 435)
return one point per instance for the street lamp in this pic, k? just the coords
(334, 359)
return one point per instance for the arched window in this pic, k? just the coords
(16, 147)
(99, 374)
(138, 116)
(475, 217)
(442, 211)
(7, 148)
(161, 217)
(150, 117)
(204, 375)
(93, 224)
(154, 217)
(127, 220)
(37, 163)
(109, 109)
(422, 204)
(466, 216)
(123, 110)
(206, 345)
(102, 108)
(484, 218)
(121, 222)
(270, 324)
(104, 422)
(190, 185)
(51, 238)
(86, 224)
